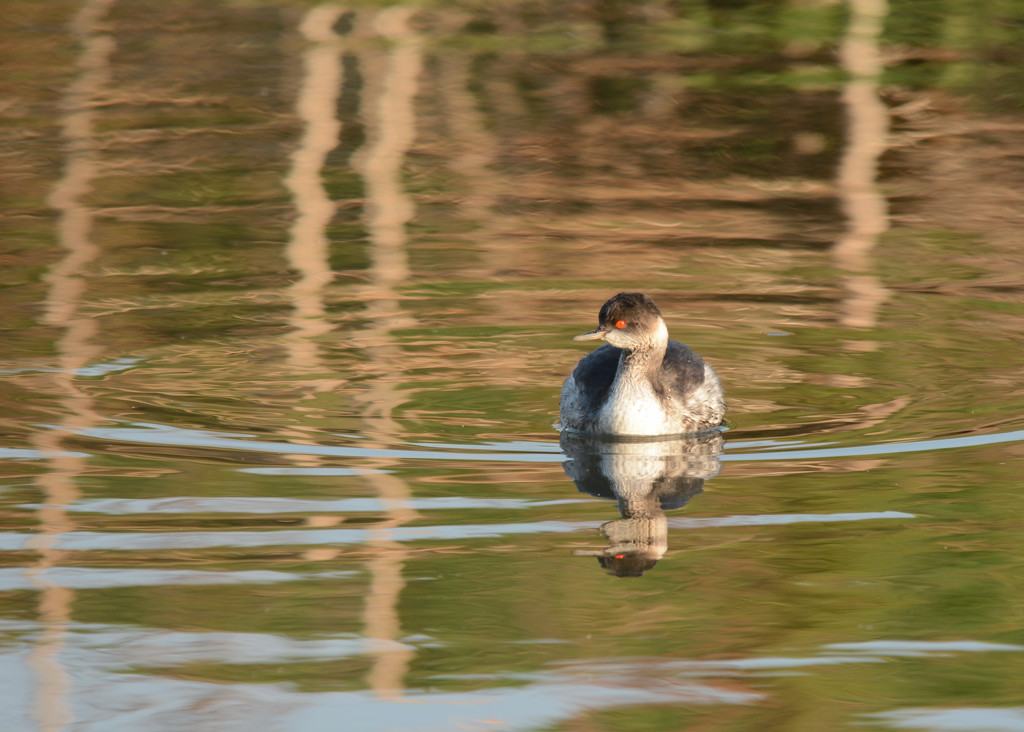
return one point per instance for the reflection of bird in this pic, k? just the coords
(646, 478)
(640, 382)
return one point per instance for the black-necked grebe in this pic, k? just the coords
(639, 383)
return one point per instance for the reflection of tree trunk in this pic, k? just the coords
(75, 349)
(389, 119)
(308, 248)
(475, 147)
(867, 130)
(474, 152)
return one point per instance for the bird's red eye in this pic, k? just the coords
(620, 324)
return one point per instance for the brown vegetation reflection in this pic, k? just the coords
(389, 87)
(308, 247)
(391, 84)
(76, 347)
(867, 131)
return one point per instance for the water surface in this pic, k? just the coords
(289, 292)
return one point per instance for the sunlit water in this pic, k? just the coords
(289, 297)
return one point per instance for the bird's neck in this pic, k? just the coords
(647, 357)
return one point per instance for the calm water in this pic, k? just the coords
(288, 293)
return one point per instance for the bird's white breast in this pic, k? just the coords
(633, 409)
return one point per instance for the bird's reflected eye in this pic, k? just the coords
(620, 324)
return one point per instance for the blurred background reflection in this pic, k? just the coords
(288, 296)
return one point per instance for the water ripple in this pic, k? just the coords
(259, 505)
(512, 451)
(96, 541)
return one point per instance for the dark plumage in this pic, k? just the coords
(681, 370)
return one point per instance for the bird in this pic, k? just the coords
(639, 383)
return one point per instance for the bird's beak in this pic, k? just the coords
(597, 332)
